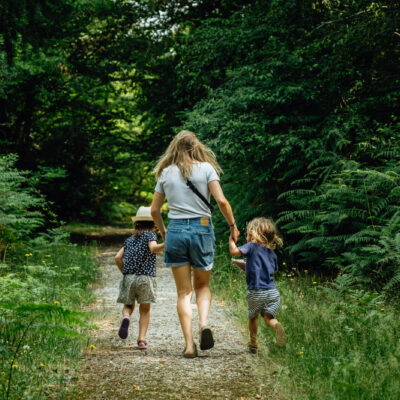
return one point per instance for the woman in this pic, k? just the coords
(190, 240)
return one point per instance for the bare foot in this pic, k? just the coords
(281, 338)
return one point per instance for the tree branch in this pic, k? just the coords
(340, 19)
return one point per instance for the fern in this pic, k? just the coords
(20, 205)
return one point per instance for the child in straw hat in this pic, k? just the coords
(261, 263)
(137, 262)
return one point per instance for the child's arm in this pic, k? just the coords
(154, 247)
(240, 263)
(235, 252)
(233, 249)
(119, 259)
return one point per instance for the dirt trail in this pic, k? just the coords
(115, 370)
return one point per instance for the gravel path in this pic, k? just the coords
(115, 370)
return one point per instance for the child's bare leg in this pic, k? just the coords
(270, 320)
(280, 333)
(127, 310)
(144, 311)
(253, 324)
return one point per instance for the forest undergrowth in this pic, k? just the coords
(42, 331)
(343, 343)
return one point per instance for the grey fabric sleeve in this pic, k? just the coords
(211, 174)
(159, 186)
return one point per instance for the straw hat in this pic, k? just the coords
(143, 214)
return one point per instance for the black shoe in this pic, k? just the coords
(206, 339)
(123, 330)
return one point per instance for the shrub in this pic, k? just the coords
(20, 203)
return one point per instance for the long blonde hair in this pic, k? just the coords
(183, 150)
(263, 231)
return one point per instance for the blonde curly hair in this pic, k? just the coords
(263, 231)
(183, 150)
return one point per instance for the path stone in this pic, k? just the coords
(115, 370)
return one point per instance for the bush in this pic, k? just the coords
(20, 204)
(42, 287)
(342, 344)
(305, 125)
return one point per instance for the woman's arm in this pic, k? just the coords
(119, 259)
(225, 207)
(158, 200)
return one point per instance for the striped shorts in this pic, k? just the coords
(262, 301)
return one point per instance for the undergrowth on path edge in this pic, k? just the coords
(43, 286)
(341, 344)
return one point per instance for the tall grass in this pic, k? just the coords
(42, 286)
(343, 344)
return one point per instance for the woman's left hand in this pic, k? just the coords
(234, 233)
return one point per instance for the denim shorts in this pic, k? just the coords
(190, 241)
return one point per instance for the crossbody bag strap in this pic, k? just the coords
(195, 191)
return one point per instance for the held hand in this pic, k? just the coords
(234, 233)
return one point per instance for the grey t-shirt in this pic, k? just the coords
(182, 202)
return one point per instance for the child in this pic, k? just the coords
(137, 261)
(262, 296)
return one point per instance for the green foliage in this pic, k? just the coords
(20, 204)
(94, 88)
(42, 331)
(302, 116)
(350, 220)
(66, 101)
(297, 98)
(342, 344)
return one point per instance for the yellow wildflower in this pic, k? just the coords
(92, 346)
(56, 302)
(314, 283)
(15, 366)
(42, 365)
(283, 263)
(234, 280)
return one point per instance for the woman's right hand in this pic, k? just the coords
(234, 233)
(158, 200)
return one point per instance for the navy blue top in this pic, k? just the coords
(261, 262)
(138, 259)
